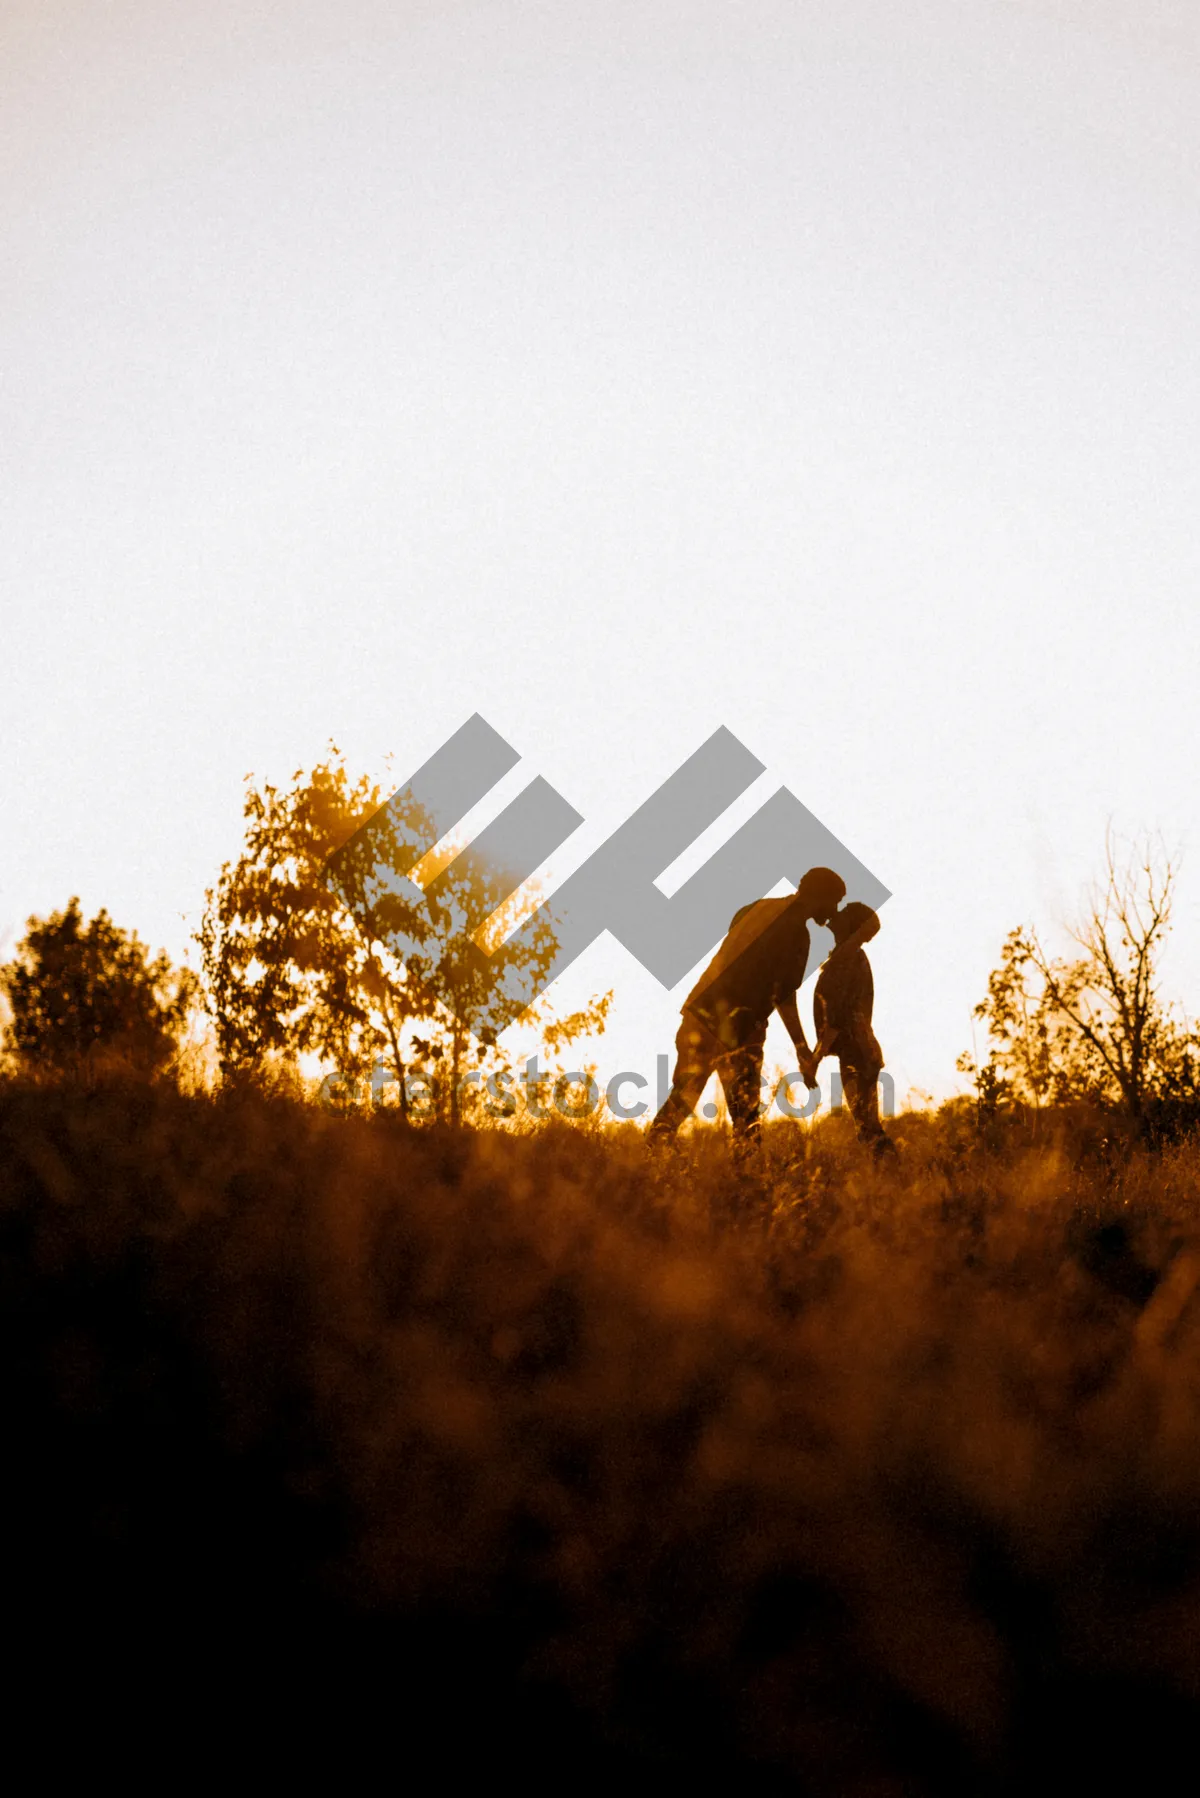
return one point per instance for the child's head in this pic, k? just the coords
(854, 920)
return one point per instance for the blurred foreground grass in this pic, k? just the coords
(559, 1456)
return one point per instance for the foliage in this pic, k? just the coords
(1092, 1025)
(87, 996)
(1035, 1055)
(467, 898)
(313, 942)
(287, 969)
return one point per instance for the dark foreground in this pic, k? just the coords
(550, 1457)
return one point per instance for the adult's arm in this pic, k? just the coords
(790, 1014)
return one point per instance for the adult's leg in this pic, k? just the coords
(696, 1054)
(740, 1073)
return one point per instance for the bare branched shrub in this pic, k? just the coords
(1093, 1025)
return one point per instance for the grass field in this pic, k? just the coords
(559, 1455)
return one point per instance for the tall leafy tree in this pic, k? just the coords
(287, 968)
(86, 996)
(315, 941)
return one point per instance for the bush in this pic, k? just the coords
(86, 999)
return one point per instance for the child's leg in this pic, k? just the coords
(860, 1083)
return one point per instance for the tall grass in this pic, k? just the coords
(554, 1451)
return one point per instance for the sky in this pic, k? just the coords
(619, 371)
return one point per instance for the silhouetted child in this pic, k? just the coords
(842, 1007)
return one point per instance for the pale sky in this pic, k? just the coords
(617, 370)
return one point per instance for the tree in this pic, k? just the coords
(315, 941)
(287, 969)
(1035, 1055)
(86, 997)
(1094, 1024)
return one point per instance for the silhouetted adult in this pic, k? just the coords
(842, 1006)
(757, 970)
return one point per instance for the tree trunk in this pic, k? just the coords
(398, 1062)
(456, 1050)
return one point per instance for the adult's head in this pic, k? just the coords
(820, 893)
(854, 923)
